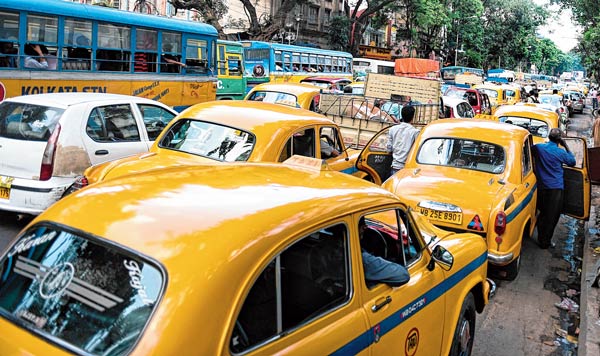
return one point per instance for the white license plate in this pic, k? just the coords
(444, 216)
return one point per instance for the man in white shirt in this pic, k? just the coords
(35, 57)
(401, 138)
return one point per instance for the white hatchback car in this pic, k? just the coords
(47, 140)
(457, 108)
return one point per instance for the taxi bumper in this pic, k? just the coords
(498, 259)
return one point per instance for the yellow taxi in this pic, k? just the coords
(300, 95)
(477, 176)
(535, 119)
(253, 259)
(500, 94)
(233, 131)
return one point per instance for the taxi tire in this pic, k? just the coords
(462, 343)
(512, 269)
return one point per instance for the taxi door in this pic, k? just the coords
(407, 320)
(577, 193)
(337, 159)
(374, 159)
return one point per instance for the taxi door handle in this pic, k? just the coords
(376, 307)
(101, 152)
(526, 185)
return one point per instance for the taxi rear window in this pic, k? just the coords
(87, 296)
(209, 139)
(461, 153)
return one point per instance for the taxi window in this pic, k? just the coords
(28, 122)
(461, 153)
(309, 279)
(300, 143)
(155, 119)
(209, 139)
(390, 235)
(275, 98)
(92, 296)
(537, 128)
(112, 123)
(527, 167)
(492, 94)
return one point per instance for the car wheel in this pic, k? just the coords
(512, 269)
(462, 343)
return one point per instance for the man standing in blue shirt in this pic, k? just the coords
(549, 159)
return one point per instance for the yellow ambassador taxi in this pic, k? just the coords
(233, 131)
(305, 96)
(471, 175)
(500, 94)
(536, 120)
(253, 259)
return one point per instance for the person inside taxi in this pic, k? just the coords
(549, 172)
(378, 269)
(401, 138)
(327, 147)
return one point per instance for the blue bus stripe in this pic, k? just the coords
(510, 217)
(365, 339)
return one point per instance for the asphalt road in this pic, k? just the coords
(522, 319)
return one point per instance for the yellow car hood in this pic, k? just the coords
(141, 163)
(474, 192)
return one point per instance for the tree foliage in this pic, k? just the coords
(338, 33)
(587, 15)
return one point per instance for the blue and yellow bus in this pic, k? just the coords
(87, 48)
(449, 73)
(281, 63)
(230, 71)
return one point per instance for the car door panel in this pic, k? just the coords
(374, 159)
(577, 193)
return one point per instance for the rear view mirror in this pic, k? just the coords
(443, 257)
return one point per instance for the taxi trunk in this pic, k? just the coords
(451, 203)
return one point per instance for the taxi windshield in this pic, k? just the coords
(535, 127)
(209, 139)
(92, 296)
(462, 153)
(490, 92)
(274, 97)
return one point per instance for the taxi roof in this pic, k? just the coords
(249, 115)
(527, 110)
(474, 129)
(291, 88)
(194, 218)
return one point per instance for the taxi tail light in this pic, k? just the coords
(48, 157)
(500, 223)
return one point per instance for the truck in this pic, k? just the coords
(360, 117)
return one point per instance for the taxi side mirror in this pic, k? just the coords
(443, 257)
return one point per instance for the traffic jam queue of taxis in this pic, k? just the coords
(470, 175)
(239, 259)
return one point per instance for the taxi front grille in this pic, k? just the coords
(460, 231)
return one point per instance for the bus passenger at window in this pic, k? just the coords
(8, 56)
(141, 58)
(35, 57)
(172, 62)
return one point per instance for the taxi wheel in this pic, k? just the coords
(512, 269)
(462, 344)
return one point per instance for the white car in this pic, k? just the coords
(47, 140)
(457, 108)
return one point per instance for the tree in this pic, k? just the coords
(338, 33)
(210, 11)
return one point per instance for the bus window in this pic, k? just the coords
(113, 48)
(312, 63)
(171, 53)
(278, 61)
(196, 56)
(145, 51)
(9, 46)
(296, 62)
(328, 64)
(77, 45)
(234, 64)
(221, 62)
(43, 30)
(287, 62)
